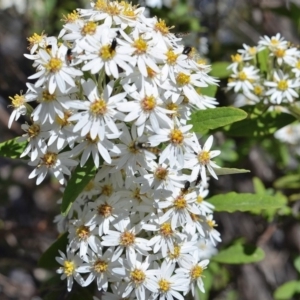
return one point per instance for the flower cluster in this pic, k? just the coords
(117, 88)
(267, 73)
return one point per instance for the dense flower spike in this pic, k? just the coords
(117, 88)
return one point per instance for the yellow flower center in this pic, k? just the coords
(128, 9)
(252, 50)
(49, 159)
(137, 195)
(127, 238)
(104, 210)
(47, 97)
(242, 76)
(17, 100)
(161, 173)
(71, 17)
(89, 28)
(298, 64)
(101, 5)
(171, 57)
(33, 130)
(140, 45)
(113, 9)
(98, 107)
(83, 232)
(107, 52)
(199, 199)
(282, 85)
(148, 103)
(258, 90)
(204, 157)
(107, 190)
(164, 285)
(35, 39)
(196, 272)
(137, 276)
(151, 73)
(54, 65)
(63, 122)
(211, 223)
(172, 106)
(176, 136)
(100, 266)
(280, 53)
(237, 58)
(166, 230)
(183, 79)
(162, 27)
(176, 252)
(274, 41)
(69, 267)
(180, 202)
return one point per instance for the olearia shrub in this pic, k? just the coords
(114, 92)
(115, 112)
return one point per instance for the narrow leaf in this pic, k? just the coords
(47, 259)
(80, 178)
(246, 202)
(12, 148)
(259, 187)
(288, 182)
(229, 171)
(262, 57)
(204, 120)
(239, 254)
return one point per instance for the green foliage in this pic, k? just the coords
(230, 171)
(291, 181)
(47, 259)
(209, 90)
(259, 124)
(239, 253)
(79, 180)
(287, 290)
(12, 148)
(205, 120)
(232, 201)
(219, 69)
(262, 57)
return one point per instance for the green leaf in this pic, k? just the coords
(287, 290)
(79, 180)
(47, 259)
(12, 148)
(288, 182)
(262, 57)
(204, 120)
(228, 171)
(209, 90)
(219, 69)
(259, 187)
(260, 125)
(239, 254)
(246, 202)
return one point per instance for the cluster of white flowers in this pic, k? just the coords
(279, 81)
(119, 90)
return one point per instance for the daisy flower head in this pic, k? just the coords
(282, 89)
(273, 43)
(53, 70)
(200, 161)
(70, 262)
(99, 113)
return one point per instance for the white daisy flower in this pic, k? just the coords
(57, 163)
(125, 238)
(53, 69)
(200, 161)
(98, 112)
(273, 43)
(168, 285)
(282, 88)
(70, 263)
(100, 267)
